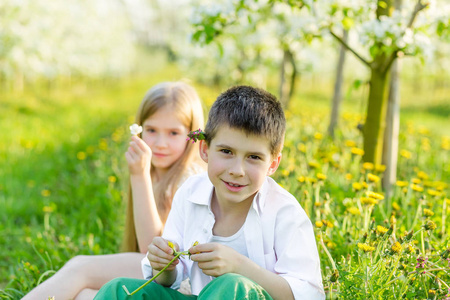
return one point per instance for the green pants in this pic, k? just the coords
(227, 286)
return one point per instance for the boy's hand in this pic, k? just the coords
(216, 259)
(160, 254)
(138, 156)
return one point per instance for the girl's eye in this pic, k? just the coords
(150, 130)
(256, 157)
(174, 133)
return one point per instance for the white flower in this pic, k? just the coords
(135, 129)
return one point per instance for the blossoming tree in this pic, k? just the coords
(383, 35)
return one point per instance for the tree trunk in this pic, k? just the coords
(373, 130)
(337, 96)
(287, 70)
(390, 149)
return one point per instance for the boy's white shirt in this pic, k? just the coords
(279, 236)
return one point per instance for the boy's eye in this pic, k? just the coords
(256, 157)
(226, 151)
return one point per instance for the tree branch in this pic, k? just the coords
(347, 46)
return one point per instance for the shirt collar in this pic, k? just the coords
(202, 195)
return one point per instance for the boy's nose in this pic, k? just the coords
(236, 169)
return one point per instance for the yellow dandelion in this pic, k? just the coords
(45, 193)
(393, 219)
(380, 168)
(301, 179)
(171, 245)
(428, 183)
(396, 247)
(319, 224)
(321, 176)
(368, 166)
(81, 155)
(350, 143)
(401, 183)
(381, 229)
(428, 212)
(375, 195)
(373, 178)
(357, 186)
(357, 151)
(406, 154)
(112, 179)
(354, 211)
(395, 206)
(433, 192)
(422, 175)
(311, 180)
(410, 249)
(365, 247)
(327, 223)
(47, 209)
(404, 190)
(317, 204)
(368, 201)
(331, 245)
(318, 136)
(348, 176)
(416, 180)
(416, 188)
(285, 172)
(313, 164)
(103, 144)
(301, 147)
(430, 225)
(447, 200)
(445, 144)
(365, 185)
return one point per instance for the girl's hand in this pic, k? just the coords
(215, 259)
(160, 254)
(138, 156)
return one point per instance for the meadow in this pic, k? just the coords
(63, 179)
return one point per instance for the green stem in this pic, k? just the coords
(328, 253)
(154, 277)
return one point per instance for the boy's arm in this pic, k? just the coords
(215, 260)
(159, 255)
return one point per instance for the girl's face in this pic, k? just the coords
(166, 137)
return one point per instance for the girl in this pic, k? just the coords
(158, 162)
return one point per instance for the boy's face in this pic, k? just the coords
(238, 164)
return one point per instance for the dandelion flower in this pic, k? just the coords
(301, 147)
(356, 186)
(348, 176)
(354, 211)
(112, 179)
(395, 206)
(357, 151)
(432, 192)
(350, 143)
(368, 201)
(416, 188)
(368, 166)
(328, 224)
(380, 168)
(406, 154)
(416, 180)
(430, 225)
(321, 176)
(81, 155)
(319, 224)
(375, 195)
(365, 247)
(318, 136)
(301, 179)
(313, 164)
(381, 229)
(428, 212)
(401, 183)
(396, 248)
(422, 175)
(373, 178)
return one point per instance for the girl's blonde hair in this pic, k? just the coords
(185, 103)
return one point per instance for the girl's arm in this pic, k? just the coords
(147, 221)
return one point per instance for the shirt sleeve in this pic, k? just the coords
(297, 256)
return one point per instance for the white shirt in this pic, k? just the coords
(279, 236)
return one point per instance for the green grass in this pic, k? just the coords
(63, 176)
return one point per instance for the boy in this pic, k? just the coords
(255, 241)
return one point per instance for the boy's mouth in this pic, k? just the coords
(234, 187)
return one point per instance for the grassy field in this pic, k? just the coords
(63, 178)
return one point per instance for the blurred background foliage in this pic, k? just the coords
(73, 74)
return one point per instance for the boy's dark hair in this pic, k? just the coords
(253, 110)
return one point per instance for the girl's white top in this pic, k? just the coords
(278, 236)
